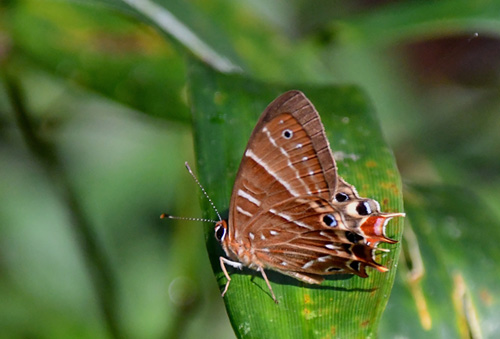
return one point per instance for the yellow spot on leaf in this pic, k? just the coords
(308, 314)
(390, 186)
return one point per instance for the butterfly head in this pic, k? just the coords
(220, 230)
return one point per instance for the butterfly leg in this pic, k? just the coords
(223, 267)
(261, 270)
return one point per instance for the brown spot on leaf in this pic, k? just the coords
(333, 330)
(307, 298)
(390, 186)
(390, 173)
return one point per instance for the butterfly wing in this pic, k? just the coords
(308, 236)
(362, 215)
(287, 156)
(290, 211)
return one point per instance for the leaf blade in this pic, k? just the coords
(225, 109)
(448, 280)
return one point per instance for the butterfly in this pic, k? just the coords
(290, 211)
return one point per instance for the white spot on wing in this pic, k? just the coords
(289, 218)
(308, 264)
(367, 206)
(259, 161)
(274, 232)
(242, 211)
(301, 224)
(290, 165)
(271, 139)
(249, 197)
(251, 235)
(330, 246)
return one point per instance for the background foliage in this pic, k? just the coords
(94, 130)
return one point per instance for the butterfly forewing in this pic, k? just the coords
(282, 160)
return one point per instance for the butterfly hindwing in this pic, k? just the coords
(308, 235)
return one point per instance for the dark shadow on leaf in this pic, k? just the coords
(282, 279)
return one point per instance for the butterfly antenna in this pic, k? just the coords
(202, 189)
(165, 215)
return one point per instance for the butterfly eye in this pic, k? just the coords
(329, 220)
(287, 134)
(363, 208)
(220, 233)
(341, 197)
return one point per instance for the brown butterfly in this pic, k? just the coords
(290, 211)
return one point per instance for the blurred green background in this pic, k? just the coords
(103, 85)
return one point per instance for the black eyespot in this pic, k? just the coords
(363, 208)
(329, 220)
(347, 248)
(333, 269)
(287, 134)
(341, 197)
(353, 237)
(355, 265)
(220, 232)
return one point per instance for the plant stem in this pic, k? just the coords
(97, 263)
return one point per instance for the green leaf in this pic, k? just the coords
(225, 110)
(448, 279)
(416, 19)
(122, 60)
(186, 25)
